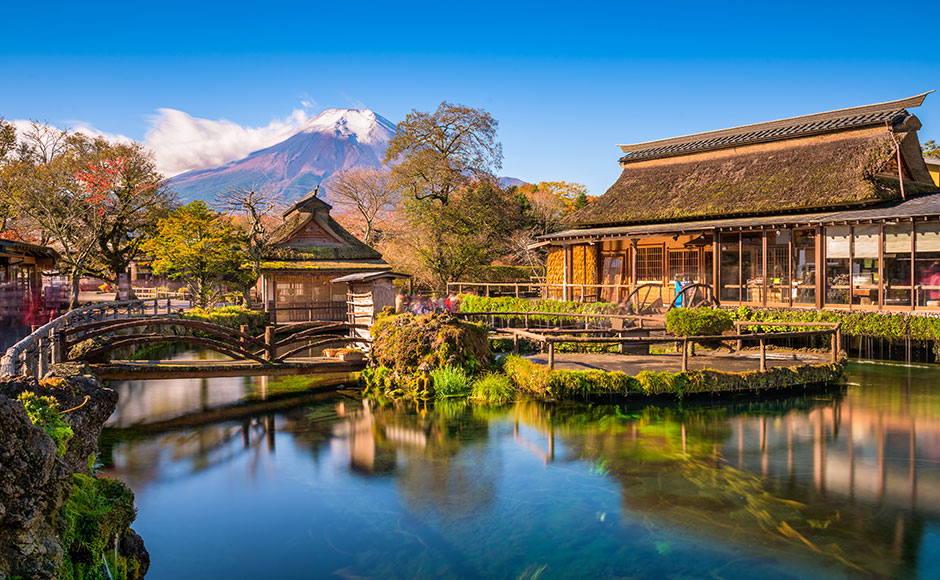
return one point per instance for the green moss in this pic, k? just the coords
(537, 381)
(97, 513)
(44, 413)
(405, 343)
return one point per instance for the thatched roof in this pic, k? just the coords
(826, 161)
(325, 240)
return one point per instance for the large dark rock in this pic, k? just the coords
(34, 483)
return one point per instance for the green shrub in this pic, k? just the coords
(44, 413)
(529, 377)
(450, 381)
(891, 326)
(702, 321)
(493, 388)
(231, 317)
(473, 303)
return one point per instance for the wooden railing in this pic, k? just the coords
(550, 339)
(527, 317)
(46, 345)
(149, 293)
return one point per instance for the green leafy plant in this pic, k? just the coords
(230, 316)
(44, 413)
(450, 381)
(702, 321)
(493, 388)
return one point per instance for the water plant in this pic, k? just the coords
(44, 413)
(493, 388)
(450, 381)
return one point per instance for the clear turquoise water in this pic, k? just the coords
(843, 483)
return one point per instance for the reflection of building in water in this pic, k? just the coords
(879, 457)
(428, 451)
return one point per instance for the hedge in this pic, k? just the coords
(892, 326)
(702, 321)
(474, 303)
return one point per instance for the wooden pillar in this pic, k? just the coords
(515, 343)
(244, 330)
(270, 343)
(685, 354)
(551, 355)
(633, 279)
(820, 268)
(851, 266)
(790, 273)
(913, 257)
(764, 285)
(716, 266)
(565, 278)
(881, 266)
(763, 355)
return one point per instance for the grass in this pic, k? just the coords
(450, 381)
(493, 388)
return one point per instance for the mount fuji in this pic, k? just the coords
(332, 142)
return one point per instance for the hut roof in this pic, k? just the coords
(310, 233)
(839, 159)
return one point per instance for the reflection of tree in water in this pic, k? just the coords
(672, 468)
(436, 452)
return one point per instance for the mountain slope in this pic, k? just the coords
(332, 142)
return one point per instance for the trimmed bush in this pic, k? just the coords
(450, 381)
(702, 321)
(493, 388)
(891, 326)
(473, 303)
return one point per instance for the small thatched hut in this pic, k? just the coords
(830, 210)
(308, 251)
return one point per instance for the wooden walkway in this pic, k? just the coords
(738, 361)
(332, 371)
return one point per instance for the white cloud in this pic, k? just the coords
(183, 143)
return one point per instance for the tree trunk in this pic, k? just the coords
(75, 277)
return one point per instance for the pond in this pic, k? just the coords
(254, 478)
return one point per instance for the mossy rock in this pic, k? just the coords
(405, 343)
(81, 352)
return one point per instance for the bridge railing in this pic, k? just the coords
(46, 345)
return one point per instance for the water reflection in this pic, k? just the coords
(840, 483)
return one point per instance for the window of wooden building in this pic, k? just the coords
(927, 264)
(683, 265)
(613, 273)
(649, 264)
(804, 268)
(730, 268)
(838, 268)
(897, 247)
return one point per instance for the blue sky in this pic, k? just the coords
(567, 81)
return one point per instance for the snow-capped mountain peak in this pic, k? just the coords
(363, 124)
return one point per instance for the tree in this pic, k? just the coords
(370, 194)
(199, 246)
(256, 204)
(43, 187)
(129, 196)
(454, 240)
(435, 154)
(931, 149)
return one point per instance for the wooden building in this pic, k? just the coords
(308, 251)
(830, 210)
(367, 294)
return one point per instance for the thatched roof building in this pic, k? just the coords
(309, 250)
(798, 180)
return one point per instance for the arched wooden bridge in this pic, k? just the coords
(278, 350)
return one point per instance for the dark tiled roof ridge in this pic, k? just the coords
(805, 125)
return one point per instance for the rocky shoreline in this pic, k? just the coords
(36, 482)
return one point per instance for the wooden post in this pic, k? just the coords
(763, 355)
(740, 330)
(244, 329)
(685, 354)
(58, 350)
(551, 355)
(169, 304)
(527, 322)
(515, 343)
(835, 348)
(716, 267)
(42, 361)
(839, 338)
(269, 341)
(517, 289)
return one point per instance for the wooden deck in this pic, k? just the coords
(332, 371)
(738, 361)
